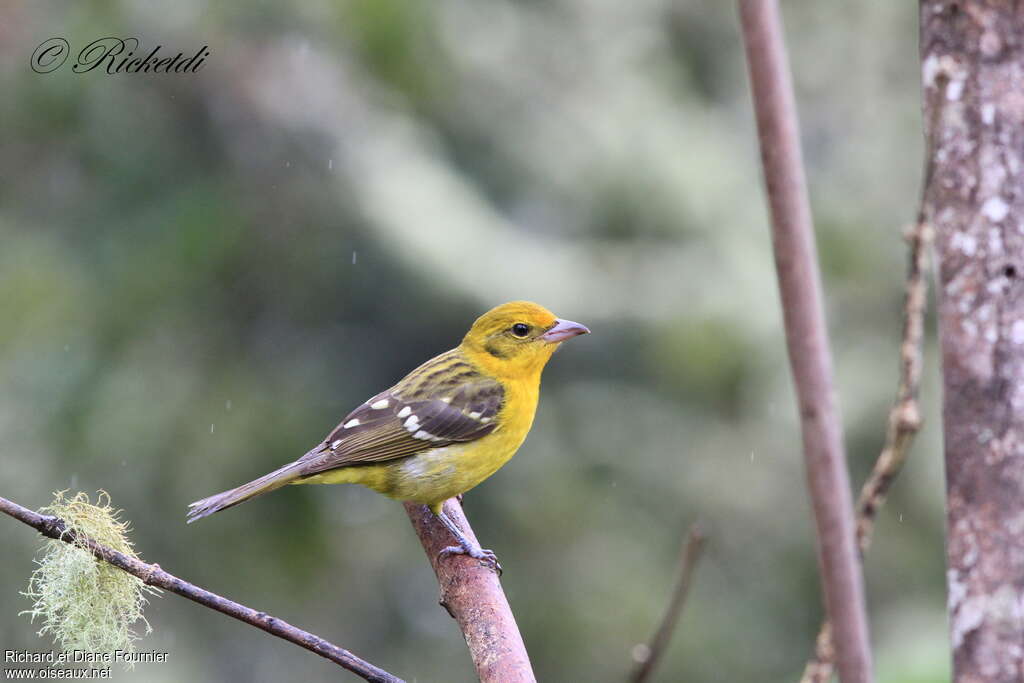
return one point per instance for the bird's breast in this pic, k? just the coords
(441, 473)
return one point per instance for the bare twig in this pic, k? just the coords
(689, 555)
(905, 416)
(904, 419)
(806, 335)
(903, 424)
(472, 594)
(153, 575)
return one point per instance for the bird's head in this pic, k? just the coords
(516, 339)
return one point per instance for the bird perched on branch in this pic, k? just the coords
(443, 429)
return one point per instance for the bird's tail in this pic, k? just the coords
(225, 499)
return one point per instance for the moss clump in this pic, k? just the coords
(85, 603)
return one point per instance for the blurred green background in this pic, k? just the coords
(200, 274)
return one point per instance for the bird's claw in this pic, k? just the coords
(486, 557)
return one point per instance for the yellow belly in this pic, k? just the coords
(427, 478)
(433, 476)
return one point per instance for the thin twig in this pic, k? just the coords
(689, 555)
(905, 416)
(472, 594)
(807, 335)
(904, 419)
(153, 575)
(903, 423)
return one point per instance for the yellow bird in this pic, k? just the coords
(443, 429)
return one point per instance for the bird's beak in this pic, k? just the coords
(562, 330)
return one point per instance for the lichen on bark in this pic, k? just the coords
(972, 55)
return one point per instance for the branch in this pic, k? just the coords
(903, 424)
(473, 596)
(806, 335)
(905, 415)
(153, 575)
(689, 555)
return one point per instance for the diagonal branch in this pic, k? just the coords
(688, 558)
(153, 575)
(473, 596)
(903, 424)
(905, 417)
(806, 335)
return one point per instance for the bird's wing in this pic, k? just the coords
(436, 405)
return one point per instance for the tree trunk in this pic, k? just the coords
(972, 55)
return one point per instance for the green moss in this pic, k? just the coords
(705, 358)
(85, 603)
(398, 43)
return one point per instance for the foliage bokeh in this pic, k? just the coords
(200, 274)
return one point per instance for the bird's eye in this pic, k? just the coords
(520, 330)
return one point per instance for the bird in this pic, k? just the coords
(442, 429)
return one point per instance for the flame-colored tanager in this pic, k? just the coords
(443, 429)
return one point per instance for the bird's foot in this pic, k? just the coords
(486, 557)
